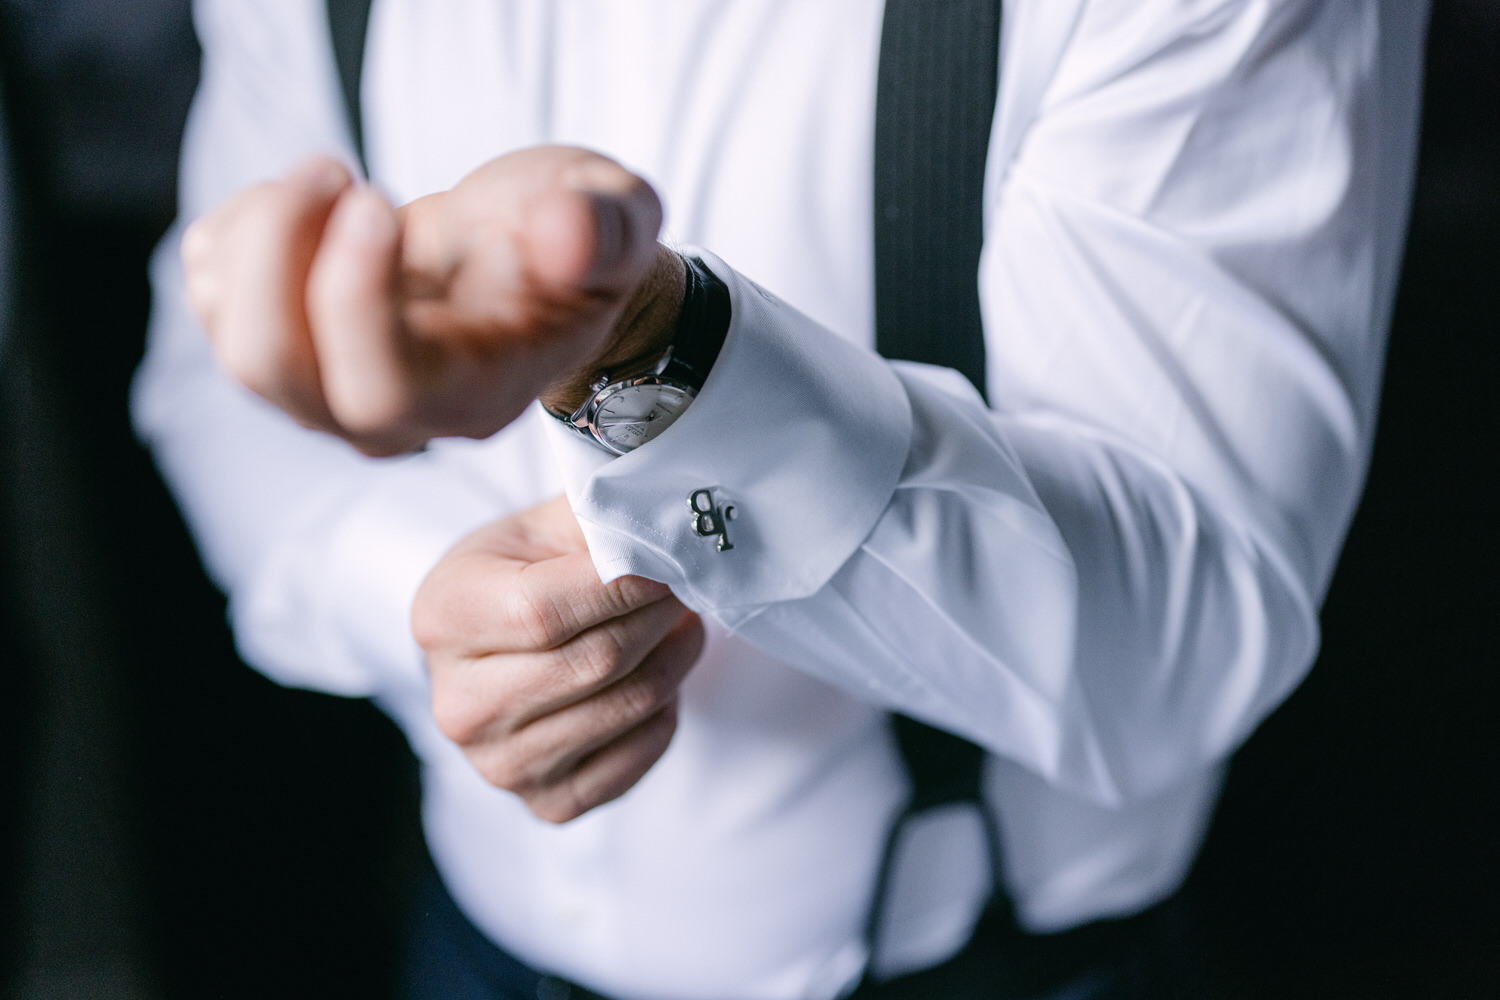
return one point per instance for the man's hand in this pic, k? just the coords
(447, 317)
(557, 687)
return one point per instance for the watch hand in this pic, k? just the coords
(618, 421)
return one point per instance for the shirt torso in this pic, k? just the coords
(747, 855)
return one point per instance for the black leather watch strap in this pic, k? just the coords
(703, 323)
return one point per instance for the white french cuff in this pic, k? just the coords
(803, 434)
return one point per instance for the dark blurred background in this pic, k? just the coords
(174, 826)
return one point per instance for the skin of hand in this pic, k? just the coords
(448, 316)
(559, 688)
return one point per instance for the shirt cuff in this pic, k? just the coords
(798, 434)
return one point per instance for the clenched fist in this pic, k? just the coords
(448, 316)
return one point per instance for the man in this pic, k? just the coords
(1105, 577)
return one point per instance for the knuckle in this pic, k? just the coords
(562, 801)
(556, 809)
(594, 657)
(621, 596)
(627, 593)
(505, 770)
(535, 617)
(369, 407)
(458, 717)
(637, 699)
(452, 721)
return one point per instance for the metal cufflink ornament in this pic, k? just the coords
(709, 519)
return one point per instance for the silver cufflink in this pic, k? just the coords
(709, 519)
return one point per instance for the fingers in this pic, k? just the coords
(210, 244)
(453, 608)
(247, 265)
(569, 761)
(477, 601)
(609, 773)
(369, 370)
(611, 655)
(446, 318)
(558, 687)
(475, 698)
(554, 602)
(296, 282)
(630, 695)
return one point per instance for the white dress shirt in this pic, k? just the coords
(1194, 211)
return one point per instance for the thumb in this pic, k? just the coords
(594, 232)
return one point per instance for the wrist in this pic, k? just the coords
(639, 389)
(642, 335)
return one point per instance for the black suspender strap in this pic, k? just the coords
(935, 101)
(348, 20)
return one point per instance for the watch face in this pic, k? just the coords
(634, 414)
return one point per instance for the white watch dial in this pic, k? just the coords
(634, 414)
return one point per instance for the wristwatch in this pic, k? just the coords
(625, 409)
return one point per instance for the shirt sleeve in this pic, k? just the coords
(319, 549)
(1112, 574)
